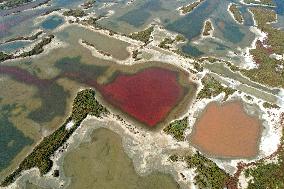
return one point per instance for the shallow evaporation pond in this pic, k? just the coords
(227, 131)
(103, 164)
(148, 95)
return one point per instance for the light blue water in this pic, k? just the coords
(279, 6)
(52, 22)
(12, 140)
(13, 46)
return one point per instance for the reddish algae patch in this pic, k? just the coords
(227, 131)
(148, 95)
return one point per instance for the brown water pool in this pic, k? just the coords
(227, 131)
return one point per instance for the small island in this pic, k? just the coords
(208, 28)
(236, 14)
(188, 8)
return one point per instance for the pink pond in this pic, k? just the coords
(148, 95)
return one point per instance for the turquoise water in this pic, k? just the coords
(12, 140)
(52, 22)
(13, 46)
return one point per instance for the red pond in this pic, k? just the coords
(148, 95)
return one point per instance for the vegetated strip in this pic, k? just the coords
(84, 104)
(8, 7)
(75, 13)
(25, 38)
(6, 4)
(38, 48)
(236, 13)
(188, 8)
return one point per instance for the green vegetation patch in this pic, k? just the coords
(207, 28)
(188, 8)
(143, 36)
(75, 13)
(5, 56)
(208, 174)
(269, 70)
(165, 44)
(176, 129)
(180, 38)
(197, 66)
(84, 104)
(268, 175)
(236, 13)
(212, 88)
